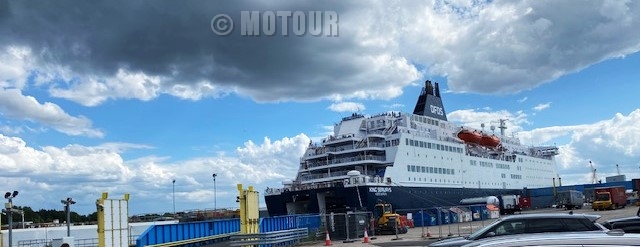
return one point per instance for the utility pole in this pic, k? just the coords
(9, 206)
(67, 210)
(215, 203)
(594, 177)
(174, 198)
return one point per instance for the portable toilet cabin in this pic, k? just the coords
(443, 216)
(479, 212)
(462, 214)
(424, 218)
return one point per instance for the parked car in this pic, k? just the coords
(627, 224)
(612, 238)
(528, 223)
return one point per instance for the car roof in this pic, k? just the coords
(533, 216)
(611, 238)
(632, 218)
(592, 217)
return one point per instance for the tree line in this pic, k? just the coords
(48, 216)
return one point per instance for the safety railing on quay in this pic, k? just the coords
(276, 238)
(83, 242)
(34, 243)
(291, 222)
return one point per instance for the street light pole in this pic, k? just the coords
(174, 198)
(9, 207)
(215, 206)
(67, 210)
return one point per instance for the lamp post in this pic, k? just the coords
(22, 213)
(174, 198)
(215, 203)
(9, 207)
(67, 210)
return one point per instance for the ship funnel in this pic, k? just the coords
(429, 102)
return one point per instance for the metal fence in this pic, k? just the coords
(83, 242)
(349, 226)
(448, 221)
(276, 238)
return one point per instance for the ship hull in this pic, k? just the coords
(340, 199)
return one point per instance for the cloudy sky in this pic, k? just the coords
(127, 96)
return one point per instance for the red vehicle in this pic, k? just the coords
(525, 202)
(609, 198)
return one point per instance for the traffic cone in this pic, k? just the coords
(327, 240)
(366, 236)
(428, 235)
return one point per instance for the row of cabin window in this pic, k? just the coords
(423, 144)
(534, 161)
(513, 176)
(489, 164)
(437, 180)
(424, 119)
(429, 169)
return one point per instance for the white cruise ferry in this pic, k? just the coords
(412, 161)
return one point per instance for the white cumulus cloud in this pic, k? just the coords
(15, 105)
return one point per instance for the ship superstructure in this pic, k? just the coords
(412, 160)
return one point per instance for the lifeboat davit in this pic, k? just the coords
(470, 136)
(490, 140)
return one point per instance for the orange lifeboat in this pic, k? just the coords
(490, 140)
(470, 136)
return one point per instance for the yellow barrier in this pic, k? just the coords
(249, 213)
(113, 223)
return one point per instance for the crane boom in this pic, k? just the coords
(594, 177)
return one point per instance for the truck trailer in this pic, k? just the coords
(508, 204)
(570, 199)
(609, 198)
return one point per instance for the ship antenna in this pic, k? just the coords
(502, 126)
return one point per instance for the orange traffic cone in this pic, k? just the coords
(327, 240)
(366, 236)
